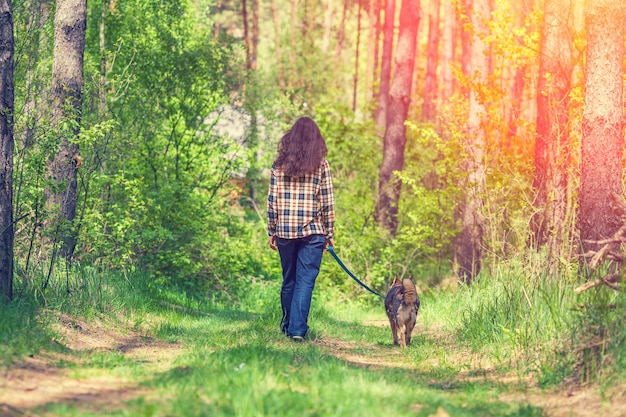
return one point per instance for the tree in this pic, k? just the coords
(395, 133)
(430, 85)
(603, 122)
(70, 24)
(447, 55)
(385, 63)
(552, 146)
(468, 247)
(279, 55)
(7, 98)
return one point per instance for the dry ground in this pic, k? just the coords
(37, 381)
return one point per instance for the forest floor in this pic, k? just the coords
(39, 380)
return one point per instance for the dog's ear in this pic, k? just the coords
(396, 281)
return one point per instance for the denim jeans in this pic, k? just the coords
(300, 260)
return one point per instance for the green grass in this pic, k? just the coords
(471, 346)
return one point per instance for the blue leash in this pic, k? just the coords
(332, 252)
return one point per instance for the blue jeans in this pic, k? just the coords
(300, 260)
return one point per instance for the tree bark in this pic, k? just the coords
(447, 77)
(328, 25)
(465, 19)
(395, 134)
(246, 34)
(385, 64)
(603, 121)
(371, 46)
(341, 32)
(293, 70)
(552, 146)
(468, 244)
(279, 56)
(254, 44)
(7, 107)
(70, 23)
(356, 60)
(34, 96)
(432, 60)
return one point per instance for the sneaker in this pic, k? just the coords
(297, 338)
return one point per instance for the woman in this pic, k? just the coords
(300, 219)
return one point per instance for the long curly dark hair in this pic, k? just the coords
(301, 149)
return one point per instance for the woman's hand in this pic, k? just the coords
(273, 245)
(330, 242)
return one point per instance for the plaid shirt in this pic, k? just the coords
(300, 207)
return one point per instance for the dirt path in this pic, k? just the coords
(36, 381)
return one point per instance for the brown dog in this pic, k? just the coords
(402, 304)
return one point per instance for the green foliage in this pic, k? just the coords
(598, 338)
(430, 194)
(22, 329)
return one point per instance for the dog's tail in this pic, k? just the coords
(410, 293)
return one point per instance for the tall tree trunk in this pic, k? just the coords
(371, 44)
(254, 44)
(447, 77)
(385, 64)
(430, 84)
(395, 134)
(341, 32)
(376, 50)
(356, 59)
(468, 244)
(293, 70)
(279, 56)
(516, 90)
(328, 26)
(603, 121)
(246, 33)
(7, 106)
(33, 91)
(465, 19)
(103, 58)
(552, 146)
(70, 23)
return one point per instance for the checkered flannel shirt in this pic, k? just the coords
(300, 207)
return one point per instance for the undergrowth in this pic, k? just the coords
(522, 323)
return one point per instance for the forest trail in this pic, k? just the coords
(37, 380)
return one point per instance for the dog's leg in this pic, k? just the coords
(394, 332)
(403, 336)
(409, 330)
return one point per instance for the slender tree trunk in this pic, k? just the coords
(341, 32)
(7, 106)
(218, 26)
(376, 51)
(70, 23)
(465, 19)
(103, 57)
(33, 90)
(293, 70)
(432, 60)
(356, 60)
(603, 121)
(254, 44)
(246, 33)
(516, 92)
(279, 56)
(447, 77)
(552, 146)
(371, 43)
(328, 26)
(385, 69)
(395, 134)
(468, 244)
